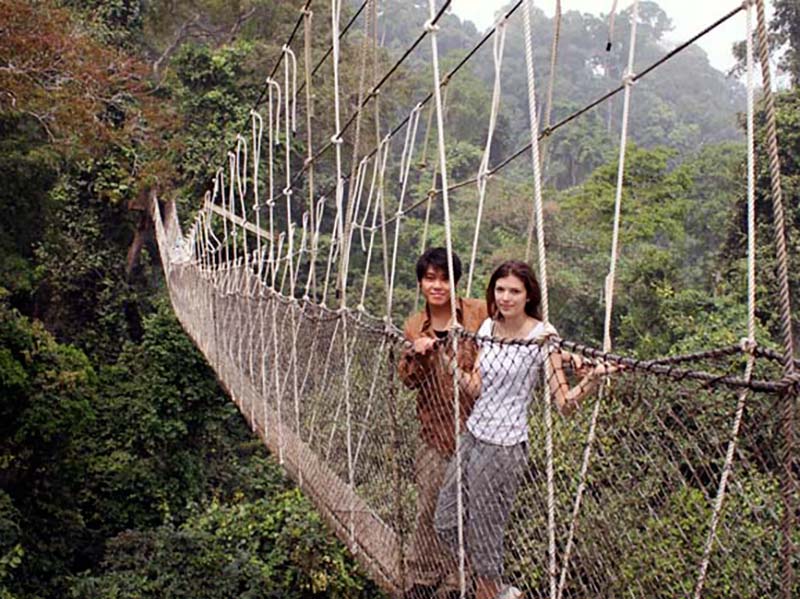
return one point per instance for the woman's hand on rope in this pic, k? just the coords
(589, 382)
(568, 399)
(579, 366)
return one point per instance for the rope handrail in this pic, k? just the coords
(288, 43)
(659, 366)
(596, 102)
(572, 116)
(767, 386)
(543, 133)
(329, 51)
(444, 81)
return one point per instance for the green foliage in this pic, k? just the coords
(271, 547)
(214, 104)
(749, 546)
(119, 22)
(28, 168)
(47, 392)
(83, 292)
(735, 248)
(11, 552)
(785, 25)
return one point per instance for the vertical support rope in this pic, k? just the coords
(274, 118)
(405, 168)
(483, 169)
(273, 298)
(257, 133)
(751, 317)
(337, 137)
(232, 168)
(609, 298)
(539, 212)
(289, 127)
(789, 407)
(336, 7)
(432, 28)
(310, 290)
(432, 191)
(548, 110)
(610, 280)
(241, 188)
(381, 157)
(355, 163)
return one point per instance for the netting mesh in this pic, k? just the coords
(323, 389)
(671, 479)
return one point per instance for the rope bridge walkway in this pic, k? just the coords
(677, 477)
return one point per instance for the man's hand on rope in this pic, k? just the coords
(423, 345)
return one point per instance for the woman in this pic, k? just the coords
(493, 449)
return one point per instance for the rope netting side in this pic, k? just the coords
(661, 446)
(659, 499)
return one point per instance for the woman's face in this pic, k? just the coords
(510, 296)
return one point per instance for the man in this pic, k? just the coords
(425, 367)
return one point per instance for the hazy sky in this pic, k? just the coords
(688, 17)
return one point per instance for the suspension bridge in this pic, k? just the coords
(679, 478)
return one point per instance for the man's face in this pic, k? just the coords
(435, 287)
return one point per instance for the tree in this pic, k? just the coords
(46, 396)
(275, 546)
(83, 94)
(785, 26)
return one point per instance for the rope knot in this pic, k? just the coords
(287, 191)
(387, 323)
(629, 78)
(336, 139)
(792, 380)
(307, 12)
(431, 27)
(548, 334)
(748, 346)
(285, 48)
(361, 308)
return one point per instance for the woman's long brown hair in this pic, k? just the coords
(533, 304)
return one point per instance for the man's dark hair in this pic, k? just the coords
(437, 258)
